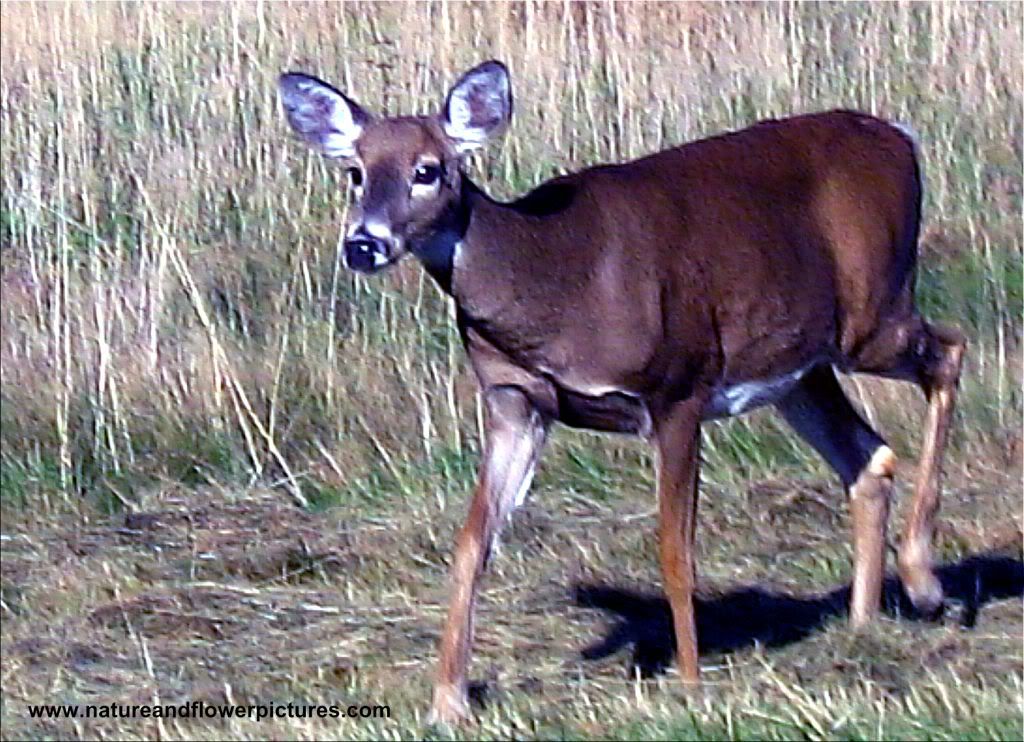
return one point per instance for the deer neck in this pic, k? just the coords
(438, 250)
(461, 254)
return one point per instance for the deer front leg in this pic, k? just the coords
(678, 443)
(514, 435)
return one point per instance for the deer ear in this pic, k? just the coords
(325, 117)
(478, 107)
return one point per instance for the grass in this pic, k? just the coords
(206, 425)
(214, 596)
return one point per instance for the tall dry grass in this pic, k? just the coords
(173, 309)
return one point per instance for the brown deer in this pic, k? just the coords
(645, 297)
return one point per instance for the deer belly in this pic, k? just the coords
(610, 412)
(735, 399)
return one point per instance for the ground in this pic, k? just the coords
(244, 598)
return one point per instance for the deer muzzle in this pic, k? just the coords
(366, 254)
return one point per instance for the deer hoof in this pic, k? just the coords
(925, 593)
(450, 706)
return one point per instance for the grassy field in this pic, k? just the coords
(231, 471)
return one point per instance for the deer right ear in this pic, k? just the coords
(478, 107)
(325, 117)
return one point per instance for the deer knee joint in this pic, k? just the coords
(946, 357)
(874, 482)
(882, 463)
(509, 406)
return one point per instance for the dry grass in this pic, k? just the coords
(245, 600)
(175, 331)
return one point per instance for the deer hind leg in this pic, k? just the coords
(514, 436)
(938, 355)
(819, 411)
(930, 356)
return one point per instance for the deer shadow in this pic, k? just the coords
(752, 615)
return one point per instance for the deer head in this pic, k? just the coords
(405, 172)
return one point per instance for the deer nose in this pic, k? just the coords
(366, 253)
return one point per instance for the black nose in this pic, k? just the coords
(365, 253)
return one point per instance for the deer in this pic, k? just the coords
(644, 298)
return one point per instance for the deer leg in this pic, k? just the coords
(930, 356)
(678, 444)
(938, 371)
(819, 411)
(514, 436)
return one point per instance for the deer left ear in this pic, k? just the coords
(478, 107)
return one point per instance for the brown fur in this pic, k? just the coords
(741, 257)
(648, 296)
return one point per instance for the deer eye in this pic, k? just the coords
(426, 174)
(355, 177)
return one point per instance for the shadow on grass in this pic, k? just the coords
(752, 615)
